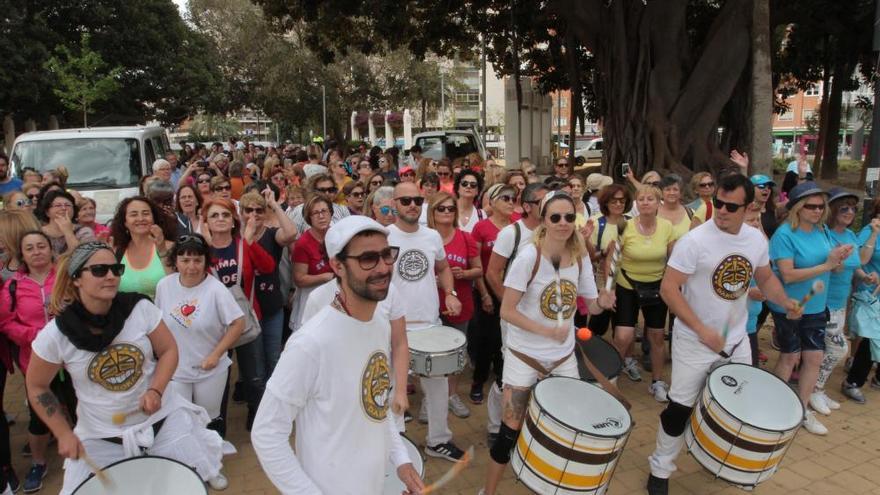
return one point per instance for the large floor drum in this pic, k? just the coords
(147, 475)
(572, 438)
(743, 423)
(604, 357)
(393, 485)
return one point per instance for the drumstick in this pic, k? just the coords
(119, 418)
(450, 475)
(99, 473)
(556, 260)
(817, 288)
(615, 255)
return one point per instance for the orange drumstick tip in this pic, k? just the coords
(584, 334)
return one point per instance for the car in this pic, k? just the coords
(104, 163)
(449, 144)
(593, 150)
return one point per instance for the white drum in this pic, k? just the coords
(437, 351)
(393, 485)
(572, 438)
(147, 475)
(742, 425)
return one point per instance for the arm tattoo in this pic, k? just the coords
(49, 403)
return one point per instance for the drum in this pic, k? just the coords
(393, 485)
(604, 356)
(436, 351)
(145, 475)
(572, 437)
(743, 423)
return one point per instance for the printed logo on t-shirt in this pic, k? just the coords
(185, 312)
(376, 386)
(566, 303)
(731, 277)
(412, 265)
(118, 367)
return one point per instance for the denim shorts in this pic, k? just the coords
(804, 334)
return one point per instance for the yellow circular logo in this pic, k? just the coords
(118, 367)
(376, 386)
(566, 304)
(731, 277)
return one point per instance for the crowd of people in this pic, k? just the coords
(307, 267)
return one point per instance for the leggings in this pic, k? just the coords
(207, 392)
(861, 366)
(484, 343)
(836, 346)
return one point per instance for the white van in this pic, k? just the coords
(593, 150)
(105, 163)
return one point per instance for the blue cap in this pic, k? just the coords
(802, 191)
(760, 179)
(836, 193)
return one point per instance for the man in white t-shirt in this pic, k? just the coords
(334, 380)
(421, 258)
(510, 242)
(705, 286)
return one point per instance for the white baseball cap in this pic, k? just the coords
(343, 231)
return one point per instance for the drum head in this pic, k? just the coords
(756, 397)
(393, 485)
(603, 356)
(582, 406)
(435, 339)
(146, 475)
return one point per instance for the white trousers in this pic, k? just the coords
(436, 392)
(207, 393)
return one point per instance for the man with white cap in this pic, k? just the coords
(334, 380)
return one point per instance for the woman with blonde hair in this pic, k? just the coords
(425, 166)
(703, 188)
(16, 200)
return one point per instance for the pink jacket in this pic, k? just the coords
(31, 312)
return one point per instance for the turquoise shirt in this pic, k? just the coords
(840, 286)
(806, 250)
(873, 265)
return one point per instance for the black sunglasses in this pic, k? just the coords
(257, 210)
(223, 188)
(369, 259)
(446, 209)
(814, 207)
(408, 200)
(101, 269)
(327, 190)
(731, 207)
(763, 186)
(569, 217)
(468, 184)
(707, 184)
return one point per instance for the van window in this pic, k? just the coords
(159, 146)
(450, 146)
(99, 163)
(597, 145)
(432, 146)
(150, 153)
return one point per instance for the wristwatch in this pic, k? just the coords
(452, 293)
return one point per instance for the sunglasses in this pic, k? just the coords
(408, 200)
(204, 181)
(327, 190)
(468, 184)
(22, 202)
(101, 269)
(446, 209)
(358, 194)
(227, 187)
(562, 164)
(257, 210)
(569, 217)
(190, 238)
(443, 174)
(707, 184)
(34, 197)
(369, 259)
(387, 210)
(620, 201)
(531, 172)
(763, 186)
(813, 207)
(220, 214)
(506, 198)
(408, 174)
(731, 207)
(848, 209)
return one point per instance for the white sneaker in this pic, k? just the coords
(631, 368)
(832, 404)
(817, 402)
(813, 425)
(219, 482)
(660, 391)
(423, 412)
(456, 405)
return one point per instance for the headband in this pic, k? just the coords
(497, 189)
(558, 194)
(82, 253)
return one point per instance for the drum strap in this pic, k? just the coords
(603, 380)
(535, 365)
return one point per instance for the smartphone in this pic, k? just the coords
(624, 169)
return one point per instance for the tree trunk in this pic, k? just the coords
(832, 140)
(424, 113)
(761, 93)
(8, 133)
(823, 118)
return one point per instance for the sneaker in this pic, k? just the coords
(852, 393)
(659, 390)
(423, 412)
(817, 402)
(456, 405)
(813, 425)
(407, 417)
(875, 383)
(446, 451)
(12, 478)
(832, 404)
(33, 482)
(632, 369)
(657, 486)
(476, 395)
(219, 482)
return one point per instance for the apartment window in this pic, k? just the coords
(563, 121)
(808, 115)
(786, 116)
(563, 101)
(814, 90)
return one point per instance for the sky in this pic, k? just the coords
(181, 6)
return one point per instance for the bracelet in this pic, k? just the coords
(869, 246)
(155, 390)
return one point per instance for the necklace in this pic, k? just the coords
(339, 304)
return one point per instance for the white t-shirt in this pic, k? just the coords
(720, 267)
(322, 296)
(476, 216)
(108, 382)
(414, 274)
(539, 302)
(335, 375)
(504, 242)
(198, 318)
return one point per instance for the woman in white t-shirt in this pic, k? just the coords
(539, 303)
(120, 357)
(467, 187)
(205, 321)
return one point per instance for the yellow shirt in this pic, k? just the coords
(701, 212)
(340, 196)
(644, 257)
(609, 235)
(681, 228)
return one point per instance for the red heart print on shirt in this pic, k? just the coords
(187, 309)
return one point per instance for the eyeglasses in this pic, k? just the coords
(408, 174)
(731, 207)
(320, 213)
(204, 181)
(63, 206)
(619, 201)
(34, 197)
(848, 209)
(814, 207)
(258, 210)
(227, 187)
(187, 238)
(763, 186)
(220, 214)
(531, 172)
(369, 259)
(707, 184)
(443, 174)
(101, 269)
(562, 164)
(569, 217)
(387, 210)
(506, 198)
(468, 184)
(408, 200)
(327, 190)
(446, 209)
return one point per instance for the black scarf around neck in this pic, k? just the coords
(76, 322)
